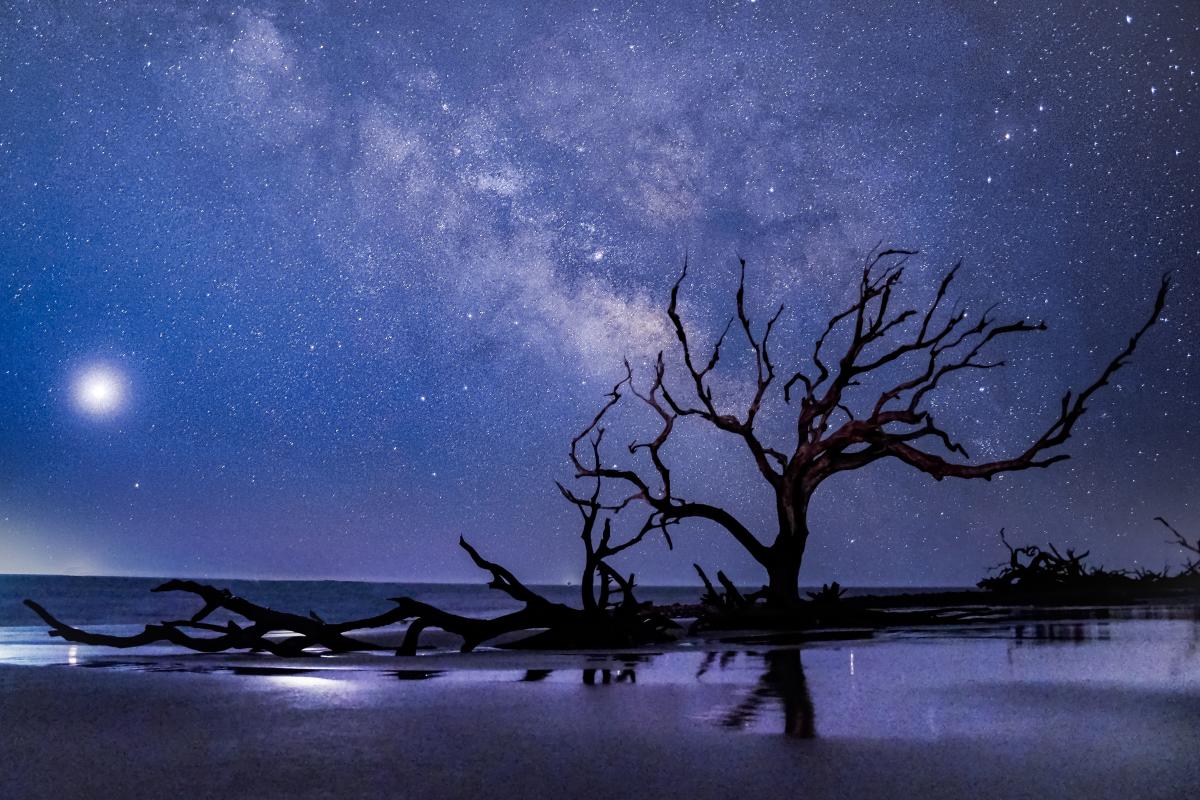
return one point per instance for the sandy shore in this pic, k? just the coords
(1112, 711)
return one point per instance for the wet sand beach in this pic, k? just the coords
(1095, 709)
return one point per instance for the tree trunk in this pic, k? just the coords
(783, 574)
(587, 587)
(786, 554)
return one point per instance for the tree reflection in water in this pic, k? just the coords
(607, 676)
(783, 681)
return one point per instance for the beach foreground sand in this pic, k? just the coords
(1096, 711)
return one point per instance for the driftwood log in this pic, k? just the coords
(291, 635)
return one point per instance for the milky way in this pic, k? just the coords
(365, 268)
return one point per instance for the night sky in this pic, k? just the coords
(311, 289)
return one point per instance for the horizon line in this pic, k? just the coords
(481, 583)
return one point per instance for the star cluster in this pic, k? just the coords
(364, 268)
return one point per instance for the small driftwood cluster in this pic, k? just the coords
(730, 599)
(1033, 569)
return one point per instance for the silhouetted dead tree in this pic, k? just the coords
(927, 347)
(611, 615)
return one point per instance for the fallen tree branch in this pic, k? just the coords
(293, 635)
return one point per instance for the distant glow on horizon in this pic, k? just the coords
(99, 391)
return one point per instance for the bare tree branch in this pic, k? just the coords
(1193, 565)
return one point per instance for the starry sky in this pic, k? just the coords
(310, 289)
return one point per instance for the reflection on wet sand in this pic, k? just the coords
(894, 685)
(783, 681)
(608, 676)
(1056, 632)
(189, 667)
(417, 674)
(626, 673)
(721, 660)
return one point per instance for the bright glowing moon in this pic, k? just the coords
(99, 391)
